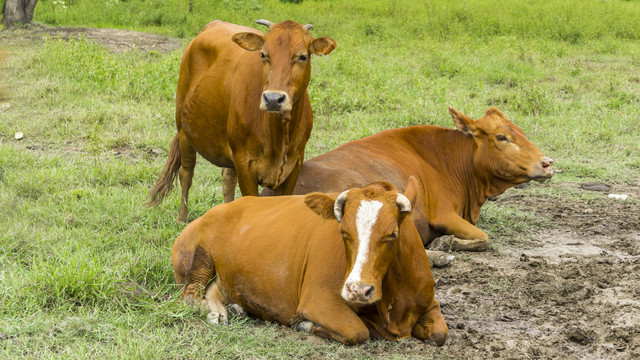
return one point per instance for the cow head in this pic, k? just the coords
(502, 148)
(370, 219)
(286, 58)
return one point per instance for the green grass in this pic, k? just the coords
(85, 269)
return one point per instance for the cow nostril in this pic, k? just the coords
(368, 291)
(281, 99)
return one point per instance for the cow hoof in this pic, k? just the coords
(439, 259)
(217, 318)
(304, 326)
(181, 220)
(443, 243)
(237, 310)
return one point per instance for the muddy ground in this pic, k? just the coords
(571, 290)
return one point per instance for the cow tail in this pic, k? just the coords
(167, 177)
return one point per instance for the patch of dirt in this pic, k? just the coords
(573, 294)
(115, 40)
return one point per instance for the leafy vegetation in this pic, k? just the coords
(85, 269)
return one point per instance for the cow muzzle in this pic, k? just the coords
(545, 171)
(357, 292)
(275, 101)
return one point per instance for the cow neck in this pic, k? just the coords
(471, 178)
(275, 125)
(488, 184)
(404, 295)
(451, 152)
(497, 186)
(277, 130)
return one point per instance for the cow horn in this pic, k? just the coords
(338, 206)
(266, 23)
(403, 203)
(307, 27)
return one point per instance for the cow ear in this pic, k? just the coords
(322, 46)
(462, 121)
(411, 193)
(321, 204)
(248, 40)
(494, 110)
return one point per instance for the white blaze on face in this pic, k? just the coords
(366, 217)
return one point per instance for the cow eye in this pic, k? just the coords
(302, 58)
(263, 56)
(501, 137)
(391, 237)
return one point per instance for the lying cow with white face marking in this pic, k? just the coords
(341, 267)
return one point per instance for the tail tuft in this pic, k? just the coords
(167, 177)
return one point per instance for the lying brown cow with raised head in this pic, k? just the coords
(242, 104)
(458, 171)
(341, 266)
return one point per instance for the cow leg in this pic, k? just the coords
(470, 244)
(431, 326)
(229, 180)
(332, 319)
(237, 310)
(215, 301)
(199, 275)
(246, 180)
(287, 186)
(339, 333)
(452, 243)
(439, 259)
(188, 161)
(463, 235)
(210, 297)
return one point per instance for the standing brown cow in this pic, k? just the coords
(341, 266)
(242, 104)
(458, 171)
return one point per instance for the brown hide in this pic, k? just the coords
(242, 104)
(285, 259)
(457, 170)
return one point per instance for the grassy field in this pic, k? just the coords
(85, 269)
